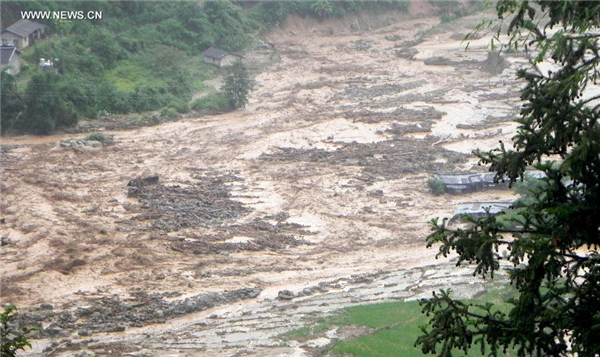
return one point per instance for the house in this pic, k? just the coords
(461, 183)
(479, 209)
(23, 33)
(219, 57)
(470, 182)
(10, 58)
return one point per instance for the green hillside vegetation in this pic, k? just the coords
(141, 56)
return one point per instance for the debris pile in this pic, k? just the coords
(426, 115)
(257, 235)
(80, 143)
(108, 314)
(386, 160)
(205, 202)
(364, 92)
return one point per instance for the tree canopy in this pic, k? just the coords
(238, 85)
(555, 261)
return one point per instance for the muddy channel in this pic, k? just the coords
(258, 221)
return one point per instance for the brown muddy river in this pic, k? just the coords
(318, 187)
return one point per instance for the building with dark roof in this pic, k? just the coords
(219, 57)
(10, 58)
(480, 209)
(23, 33)
(470, 182)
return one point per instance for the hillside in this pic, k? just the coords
(144, 56)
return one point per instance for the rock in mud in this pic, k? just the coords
(143, 181)
(80, 143)
(110, 314)
(285, 295)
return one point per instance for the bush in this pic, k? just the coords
(213, 102)
(436, 186)
(11, 102)
(180, 106)
(169, 113)
(106, 140)
(12, 338)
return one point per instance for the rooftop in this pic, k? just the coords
(214, 52)
(478, 208)
(24, 28)
(6, 52)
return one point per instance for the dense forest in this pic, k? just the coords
(141, 56)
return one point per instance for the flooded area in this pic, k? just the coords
(311, 199)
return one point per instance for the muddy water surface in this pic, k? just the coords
(318, 188)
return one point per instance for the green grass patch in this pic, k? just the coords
(395, 326)
(129, 74)
(307, 332)
(200, 72)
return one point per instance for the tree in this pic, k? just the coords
(322, 8)
(12, 338)
(12, 104)
(46, 105)
(238, 85)
(554, 256)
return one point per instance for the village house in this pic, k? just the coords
(470, 182)
(10, 58)
(480, 209)
(23, 33)
(219, 57)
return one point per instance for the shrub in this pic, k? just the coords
(169, 112)
(106, 140)
(12, 338)
(213, 102)
(180, 106)
(436, 186)
(11, 102)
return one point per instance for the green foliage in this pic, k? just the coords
(230, 26)
(322, 8)
(386, 329)
(12, 338)
(106, 140)
(168, 113)
(451, 10)
(180, 106)
(212, 103)
(144, 55)
(267, 14)
(238, 85)
(556, 267)
(436, 186)
(12, 103)
(46, 104)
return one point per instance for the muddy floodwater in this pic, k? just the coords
(311, 199)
